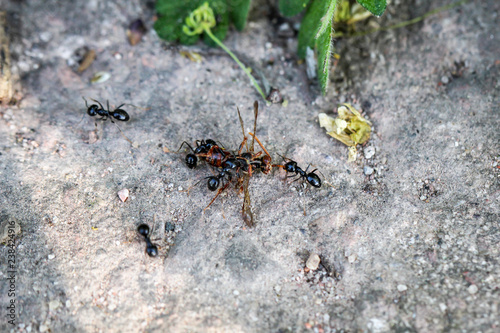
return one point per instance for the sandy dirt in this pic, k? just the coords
(408, 235)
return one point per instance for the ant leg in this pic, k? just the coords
(182, 144)
(121, 132)
(260, 144)
(107, 102)
(242, 144)
(218, 192)
(78, 123)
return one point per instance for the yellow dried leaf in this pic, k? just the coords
(193, 56)
(349, 127)
(353, 154)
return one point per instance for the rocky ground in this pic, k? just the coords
(408, 235)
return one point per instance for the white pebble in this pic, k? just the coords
(51, 256)
(369, 152)
(368, 170)
(123, 194)
(402, 287)
(472, 289)
(313, 262)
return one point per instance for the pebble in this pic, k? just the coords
(54, 305)
(313, 262)
(402, 287)
(445, 79)
(369, 152)
(472, 289)
(123, 194)
(352, 258)
(423, 197)
(368, 170)
(51, 256)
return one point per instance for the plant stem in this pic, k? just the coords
(250, 76)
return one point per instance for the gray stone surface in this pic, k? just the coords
(390, 261)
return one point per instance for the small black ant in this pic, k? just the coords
(99, 110)
(151, 248)
(292, 167)
(117, 113)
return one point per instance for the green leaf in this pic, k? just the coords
(168, 28)
(174, 8)
(376, 7)
(324, 46)
(238, 12)
(309, 26)
(292, 7)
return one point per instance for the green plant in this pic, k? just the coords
(207, 18)
(316, 29)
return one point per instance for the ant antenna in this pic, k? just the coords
(242, 128)
(184, 142)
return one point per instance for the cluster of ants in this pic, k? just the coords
(239, 166)
(228, 165)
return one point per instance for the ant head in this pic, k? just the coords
(210, 143)
(291, 166)
(191, 161)
(143, 229)
(92, 110)
(213, 183)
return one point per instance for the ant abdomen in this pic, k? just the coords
(152, 250)
(143, 229)
(313, 179)
(120, 115)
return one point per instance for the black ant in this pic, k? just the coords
(292, 167)
(151, 248)
(208, 150)
(117, 113)
(99, 110)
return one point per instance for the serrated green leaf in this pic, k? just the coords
(175, 8)
(324, 47)
(167, 28)
(238, 12)
(376, 7)
(292, 7)
(310, 25)
(327, 19)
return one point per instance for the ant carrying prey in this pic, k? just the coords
(99, 110)
(207, 150)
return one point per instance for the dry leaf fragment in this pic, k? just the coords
(193, 56)
(350, 127)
